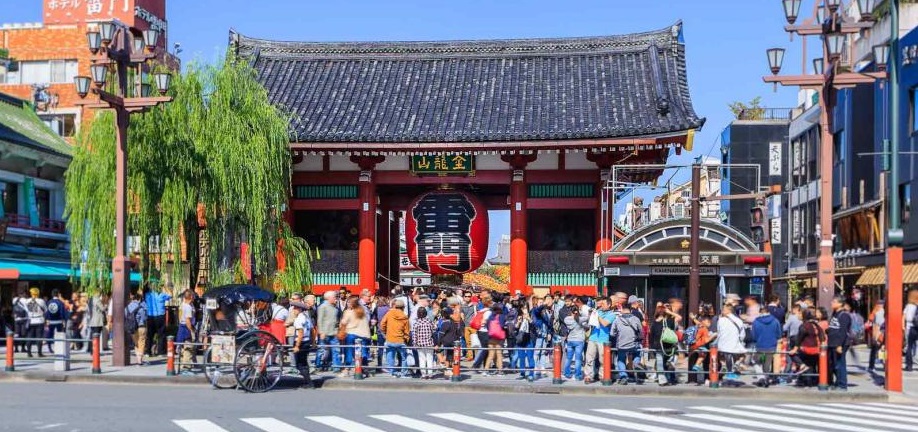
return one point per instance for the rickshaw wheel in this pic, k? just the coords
(221, 376)
(259, 363)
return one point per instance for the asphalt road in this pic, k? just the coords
(71, 407)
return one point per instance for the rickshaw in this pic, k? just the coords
(239, 352)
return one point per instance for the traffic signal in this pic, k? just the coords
(758, 223)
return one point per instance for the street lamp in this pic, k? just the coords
(821, 15)
(791, 10)
(819, 66)
(118, 52)
(833, 5)
(151, 39)
(866, 8)
(880, 56)
(835, 44)
(775, 59)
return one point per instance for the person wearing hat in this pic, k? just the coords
(302, 341)
(37, 310)
(636, 307)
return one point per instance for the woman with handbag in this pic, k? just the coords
(664, 341)
(876, 330)
(497, 334)
(809, 338)
(354, 328)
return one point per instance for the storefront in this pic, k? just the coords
(653, 263)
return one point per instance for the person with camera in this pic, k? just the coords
(601, 322)
(576, 325)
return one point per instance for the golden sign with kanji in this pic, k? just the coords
(443, 164)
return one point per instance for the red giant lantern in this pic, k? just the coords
(447, 232)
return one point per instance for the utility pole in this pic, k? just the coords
(694, 249)
(894, 237)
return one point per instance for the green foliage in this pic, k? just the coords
(219, 143)
(752, 110)
(297, 276)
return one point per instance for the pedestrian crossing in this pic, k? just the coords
(788, 417)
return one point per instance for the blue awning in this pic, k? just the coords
(31, 270)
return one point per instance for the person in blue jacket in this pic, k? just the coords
(766, 329)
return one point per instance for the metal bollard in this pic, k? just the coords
(457, 358)
(170, 356)
(714, 369)
(606, 364)
(358, 360)
(10, 365)
(62, 352)
(823, 367)
(96, 355)
(556, 360)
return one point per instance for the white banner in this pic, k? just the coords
(776, 231)
(774, 159)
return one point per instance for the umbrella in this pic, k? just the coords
(239, 293)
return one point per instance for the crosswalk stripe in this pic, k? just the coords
(480, 423)
(750, 423)
(342, 424)
(199, 426)
(889, 405)
(783, 419)
(545, 422)
(411, 423)
(873, 409)
(833, 417)
(853, 412)
(605, 421)
(269, 424)
(667, 420)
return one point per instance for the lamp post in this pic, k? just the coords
(832, 26)
(117, 51)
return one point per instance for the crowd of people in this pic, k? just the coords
(413, 333)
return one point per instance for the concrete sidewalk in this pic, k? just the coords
(863, 386)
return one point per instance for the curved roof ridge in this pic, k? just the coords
(535, 46)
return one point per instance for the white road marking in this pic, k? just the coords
(668, 420)
(480, 423)
(343, 424)
(750, 423)
(199, 426)
(410, 423)
(784, 419)
(893, 411)
(269, 424)
(833, 417)
(856, 412)
(605, 421)
(889, 405)
(50, 426)
(545, 422)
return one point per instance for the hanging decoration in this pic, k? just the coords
(447, 232)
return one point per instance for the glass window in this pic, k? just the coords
(62, 124)
(44, 72)
(10, 198)
(905, 200)
(35, 72)
(43, 199)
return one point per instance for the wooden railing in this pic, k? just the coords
(49, 225)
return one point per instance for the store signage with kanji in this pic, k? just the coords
(447, 232)
(443, 164)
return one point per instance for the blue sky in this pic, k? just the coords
(726, 39)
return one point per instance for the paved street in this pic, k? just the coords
(77, 407)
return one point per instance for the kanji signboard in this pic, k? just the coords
(444, 164)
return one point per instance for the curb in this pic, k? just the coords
(615, 390)
(470, 387)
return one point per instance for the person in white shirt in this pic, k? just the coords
(37, 309)
(302, 341)
(730, 335)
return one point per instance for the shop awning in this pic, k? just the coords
(876, 275)
(29, 270)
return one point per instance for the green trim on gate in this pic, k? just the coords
(335, 279)
(325, 192)
(562, 279)
(562, 190)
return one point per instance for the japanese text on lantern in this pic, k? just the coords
(443, 164)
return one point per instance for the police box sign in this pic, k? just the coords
(681, 271)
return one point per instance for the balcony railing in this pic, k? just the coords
(784, 114)
(48, 225)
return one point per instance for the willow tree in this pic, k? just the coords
(219, 148)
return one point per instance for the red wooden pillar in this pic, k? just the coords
(519, 248)
(366, 226)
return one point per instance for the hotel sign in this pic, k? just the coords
(443, 164)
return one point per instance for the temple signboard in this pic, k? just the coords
(443, 164)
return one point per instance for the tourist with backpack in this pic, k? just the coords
(543, 320)
(37, 310)
(135, 325)
(496, 326)
(524, 342)
(731, 334)
(21, 319)
(627, 331)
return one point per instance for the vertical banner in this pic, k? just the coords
(776, 231)
(31, 203)
(774, 159)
